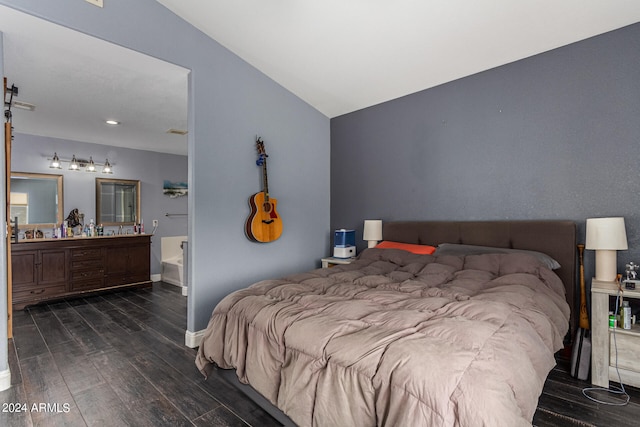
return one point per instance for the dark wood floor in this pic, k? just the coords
(119, 359)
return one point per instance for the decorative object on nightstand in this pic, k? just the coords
(344, 243)
(631, 276)
(606, 236)
(372, 231)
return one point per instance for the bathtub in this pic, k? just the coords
(172, 261)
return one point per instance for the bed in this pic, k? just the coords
(465, 336)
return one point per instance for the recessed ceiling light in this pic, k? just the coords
(112, 122)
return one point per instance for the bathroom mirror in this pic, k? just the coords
(36, 200)
(117, 201)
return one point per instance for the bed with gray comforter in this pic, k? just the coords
(397, 339)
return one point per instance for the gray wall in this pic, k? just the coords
(554, 136)
(29, 154)
(230, 103)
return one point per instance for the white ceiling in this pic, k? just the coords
(344, 55)
(337, 55)
(77, 82)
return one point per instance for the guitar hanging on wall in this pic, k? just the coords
(264, 223)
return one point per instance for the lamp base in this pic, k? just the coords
(606, 265)
(372, 243)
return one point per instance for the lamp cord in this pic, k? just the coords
(612, 389)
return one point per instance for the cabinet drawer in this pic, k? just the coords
(628, 350)
(86, 275)
(92, 283)
(80, 264)
(86, 253)
(36, 293)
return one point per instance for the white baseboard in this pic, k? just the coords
(193, 339)
(156, 277)
(5, 379)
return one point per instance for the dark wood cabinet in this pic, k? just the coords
(38, 274)
(54, 268)
(126, 265)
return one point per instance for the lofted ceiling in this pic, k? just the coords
(339, 56)
(345, 55)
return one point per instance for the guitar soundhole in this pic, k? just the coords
(267, 207)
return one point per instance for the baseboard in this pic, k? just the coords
(184, 291)
(5, 379)
(193, 339)
(156, 277)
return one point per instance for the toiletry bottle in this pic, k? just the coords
(612, 320)
(626, 315)
(141, 226)
(92, 228)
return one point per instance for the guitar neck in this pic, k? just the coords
(265, 180)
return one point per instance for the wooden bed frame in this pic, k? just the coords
(554, 238)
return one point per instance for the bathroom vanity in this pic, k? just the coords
(44, 269)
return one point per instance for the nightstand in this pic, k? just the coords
(331, 261)
(603, 351)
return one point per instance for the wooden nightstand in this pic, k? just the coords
(602, 345)
(331, 261)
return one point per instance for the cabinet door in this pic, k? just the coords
(117, 259)
(52, 267)
(127, 264)
(139, 258)
(23, 268)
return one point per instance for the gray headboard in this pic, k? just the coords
(555, 238)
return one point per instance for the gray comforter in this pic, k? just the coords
(397, 339)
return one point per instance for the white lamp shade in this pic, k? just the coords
(606, 236)
(372, 230)
(606, 233)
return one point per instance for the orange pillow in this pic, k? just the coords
(416, 249)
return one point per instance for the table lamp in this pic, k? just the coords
(372, 231)
(606, 236)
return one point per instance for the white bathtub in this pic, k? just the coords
(172, 260)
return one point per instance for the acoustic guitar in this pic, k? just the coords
(264, 223)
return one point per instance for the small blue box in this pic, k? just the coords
(344, 238)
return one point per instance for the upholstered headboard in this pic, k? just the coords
(555, 238)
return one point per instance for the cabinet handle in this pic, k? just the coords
(37, 292)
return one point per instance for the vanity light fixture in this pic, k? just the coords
(75, 164)
(91, 167)
(55, 162)
(107, 167)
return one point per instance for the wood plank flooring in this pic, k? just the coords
(118, 359)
